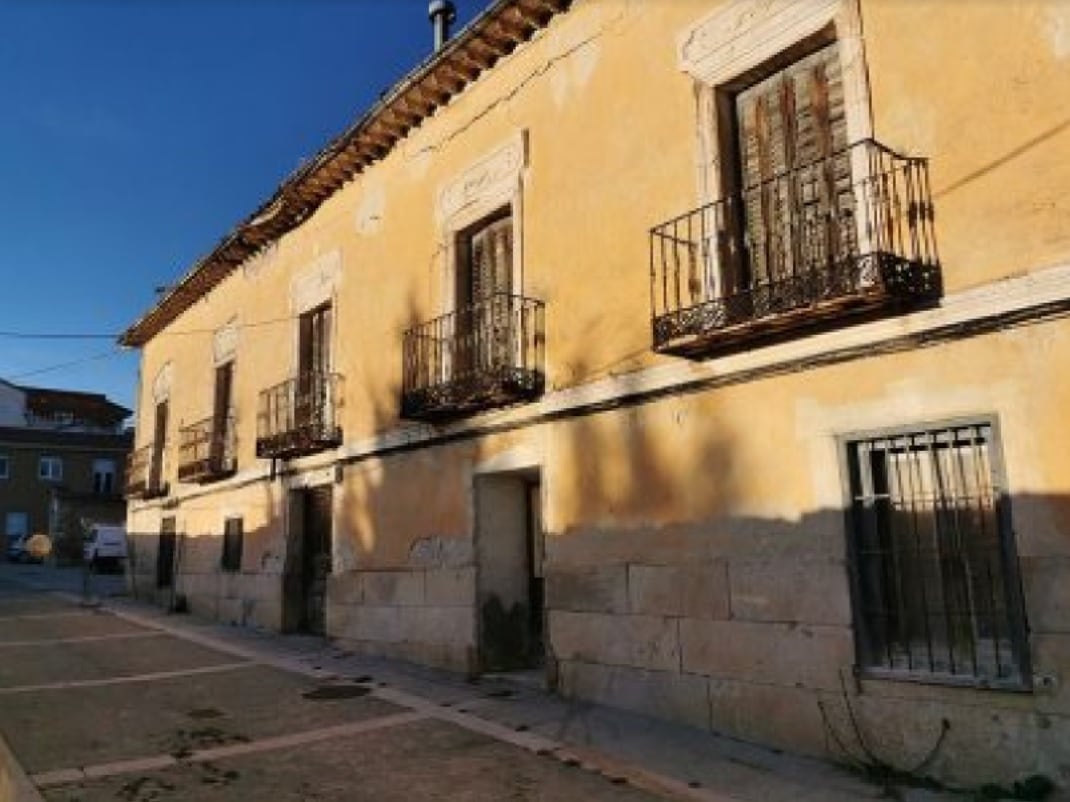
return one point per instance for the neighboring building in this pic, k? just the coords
(62, 460)
(772, 467)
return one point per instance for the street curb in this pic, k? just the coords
(15, 785)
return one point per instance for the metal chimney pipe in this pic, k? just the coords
(442, 13)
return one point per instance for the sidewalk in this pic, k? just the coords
(673, 761)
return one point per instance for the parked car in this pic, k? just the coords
(19, 551)
(105, 546)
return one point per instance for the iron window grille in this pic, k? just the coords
(935, 575)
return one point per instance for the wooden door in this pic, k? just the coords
(165, 554)
(794, 171)
(316, 558)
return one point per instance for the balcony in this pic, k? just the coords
(145, 471)
(299, 416)
(821, 248)
(207, 450)
(483, 356)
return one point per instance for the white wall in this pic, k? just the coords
(12, 405)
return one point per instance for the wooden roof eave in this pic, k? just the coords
(493, 34)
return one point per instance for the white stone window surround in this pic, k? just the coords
(162, 383)
(493, 183)
(225, 343)
(744, 35)
(316, 285)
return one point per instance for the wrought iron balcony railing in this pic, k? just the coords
(482, 356)
(207, 450)
(299, 416)
(146, 469)
(850, 236)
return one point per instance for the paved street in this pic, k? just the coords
(122, 702)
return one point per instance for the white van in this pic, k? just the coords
(105, 546)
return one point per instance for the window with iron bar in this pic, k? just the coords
(936, 586)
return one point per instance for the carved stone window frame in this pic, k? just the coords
(721, 49)
(493, 183)
(225, 343)
(162, 383)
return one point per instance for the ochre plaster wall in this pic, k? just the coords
(695, 544)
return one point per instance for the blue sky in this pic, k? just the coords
(135, 133)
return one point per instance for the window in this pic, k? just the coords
(103, 477)
(157, 468)
(5, 466)
(222, 447)
(791, 186)
(16, 525)
(484, 294)
(50, 469)
(314, 341)
(313, 402)
(934, 566)
(232, 545)
(485, 259)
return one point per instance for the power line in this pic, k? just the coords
(48, 335)
(25, 335)
(70, 364)
(254, 324)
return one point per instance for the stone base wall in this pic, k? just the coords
(422, 615)
(763, 650)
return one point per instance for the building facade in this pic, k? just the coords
(701, 355)
(62, 459)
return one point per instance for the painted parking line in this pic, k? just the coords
(57, 614)
(132, 678)
(8, 644)
(74, 775)
(652, 781)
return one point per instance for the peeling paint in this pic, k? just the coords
(441, 551)
(372, 208)
(1057, 29)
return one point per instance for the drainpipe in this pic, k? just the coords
(442, 14)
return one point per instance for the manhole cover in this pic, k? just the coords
(336, 692)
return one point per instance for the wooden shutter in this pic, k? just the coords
(491, 259)
(794, 167)
(483, 314)
(159, 447)
(224, 378)
(314, 341)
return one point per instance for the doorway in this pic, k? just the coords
(308, 561)
(509, 552)
(165, 554)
